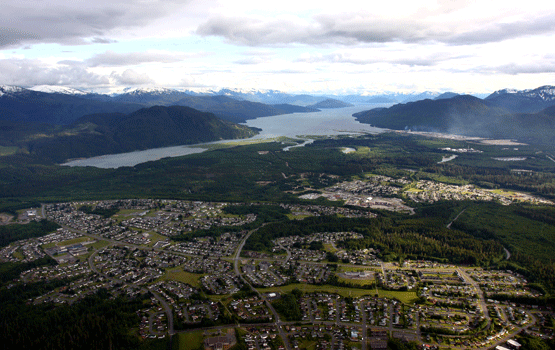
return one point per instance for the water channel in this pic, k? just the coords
(302, 125)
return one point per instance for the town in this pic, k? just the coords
(356, 301)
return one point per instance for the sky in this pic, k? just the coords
(344, 47)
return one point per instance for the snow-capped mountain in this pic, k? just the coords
(55, 89)
(10, 89)
(146, 91)
(149, 96)
(524, 101)
(421, 96)
(544, 93)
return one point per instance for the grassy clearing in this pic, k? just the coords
(504, 192)
(124, 212)
(308, 344)
(297, 217)
(350, 268)
(100, 244)
(328, 247)
(309, 288)
(68, 242)
(183, 276)
(358, 282)
(412, 189)
(216, 146)
(191, 340)
(18, 255)
(405, 297)
(8, 151)
(154, 237)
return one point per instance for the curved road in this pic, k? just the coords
(278, 323)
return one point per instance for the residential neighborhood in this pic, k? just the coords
(347, 299)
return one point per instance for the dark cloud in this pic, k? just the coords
(495, 32)
(12, 36)
(69, 22)
(355, 28)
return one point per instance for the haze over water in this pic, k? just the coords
(326, 122)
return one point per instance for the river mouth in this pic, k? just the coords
(327, 122)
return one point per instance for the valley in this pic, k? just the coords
(349, 249)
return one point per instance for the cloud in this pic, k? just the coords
(115, 59)
(456, 26)
(67, 21)
(26, 72)
(520, 68)
(407, 57)
(103, 41)
(494, 32)
(131, 77)
(252, 60)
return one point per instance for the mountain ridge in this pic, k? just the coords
(108, 133)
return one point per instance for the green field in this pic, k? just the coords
(405, 297)
(358, 282)
(7, 151)
(68, 242)
(191, 340)
(178, 274)
(100, 244)
(328, 247)
(155, 237)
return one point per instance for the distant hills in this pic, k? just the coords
(527, 115)
(330, 103)
(23, 105)
(63, 106)
(99, 134)
(61, 123)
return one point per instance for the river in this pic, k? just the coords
(326, 122)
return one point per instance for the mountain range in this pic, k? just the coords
(108, 133)
(63, 106)
(61, 123)
(527, 115)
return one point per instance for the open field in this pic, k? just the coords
(178, 274)
(328, 247)
(100, 244)
(191, 340)
(7, 151)
(68, 242)
(154, 237)
(356, 281)
(405, 297)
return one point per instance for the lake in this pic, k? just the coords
(326, 122)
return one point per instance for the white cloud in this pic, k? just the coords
(116, 59)
(131, 77)
(25, 72)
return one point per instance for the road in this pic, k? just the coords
(278, 323)
(479, 293)
(167, 308)
(507, 253)
(456, 217)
